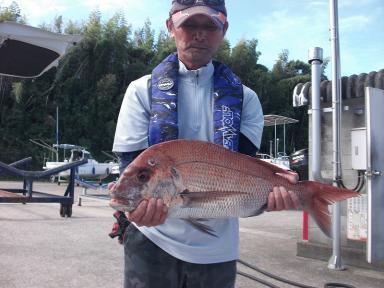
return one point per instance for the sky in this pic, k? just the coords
(295, 25)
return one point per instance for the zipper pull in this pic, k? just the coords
(197, 77)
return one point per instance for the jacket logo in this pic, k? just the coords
(165, 84)
(229, 132)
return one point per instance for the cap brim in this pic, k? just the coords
(217, 17)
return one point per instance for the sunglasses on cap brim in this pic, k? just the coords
(206, 2)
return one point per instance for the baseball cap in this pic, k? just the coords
(183, 9)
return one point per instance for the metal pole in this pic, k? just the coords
(275, 140)
(315, 58)
(284, 139)
(335, 262)
(57, 133)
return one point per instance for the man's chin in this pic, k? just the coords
(198, 49)
(197, 58)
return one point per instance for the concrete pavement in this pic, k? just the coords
(40, 249)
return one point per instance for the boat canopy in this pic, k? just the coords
(272, 120)
(28, 52)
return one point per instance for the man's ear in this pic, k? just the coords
(170, 26)
(225, 27)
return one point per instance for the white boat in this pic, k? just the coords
(276, 157)
(280, 161)
(91, 170)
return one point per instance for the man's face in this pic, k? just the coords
(197, 40)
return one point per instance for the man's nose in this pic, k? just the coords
(200, 33)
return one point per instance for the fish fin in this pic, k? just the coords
(259, 211)
(200, 226)
(323, 196)
(201, 219)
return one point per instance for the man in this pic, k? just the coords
(188, 96)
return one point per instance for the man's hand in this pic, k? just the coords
(149, 213)
(281, 199)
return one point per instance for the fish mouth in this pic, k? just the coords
(121, 205)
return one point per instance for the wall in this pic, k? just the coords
(350, 120)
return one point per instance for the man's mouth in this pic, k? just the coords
(198, 47)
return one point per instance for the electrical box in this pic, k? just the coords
(359, 148)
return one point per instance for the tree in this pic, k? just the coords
(93, 27)
(224, 52)
(73, 28)
(279, 69)
(144, 37)
(244, 58)
(12, 13)
(165, 45)
(285, 75)
(58, 24)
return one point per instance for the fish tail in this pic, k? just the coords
(324, 195)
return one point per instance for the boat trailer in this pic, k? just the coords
(26, 194)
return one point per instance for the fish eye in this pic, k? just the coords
(143, 176)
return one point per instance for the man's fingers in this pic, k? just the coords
(111, 185)
(147, 219)
(281, 199)
(295, 200)
(279, 205)
(291, 176)
(164, 215)
(158, 215)
(149, 213)
(271, 202)
(137, 214)
(288, 204)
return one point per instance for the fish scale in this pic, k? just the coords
(198, 179)
(204, 177)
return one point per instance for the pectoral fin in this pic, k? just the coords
(197, 223)
(206, 196)
(259, 211)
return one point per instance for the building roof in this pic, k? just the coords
(351, 87)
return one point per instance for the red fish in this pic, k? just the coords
(199, 179)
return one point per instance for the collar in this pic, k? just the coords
(204, 73)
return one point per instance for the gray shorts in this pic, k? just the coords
(148, 266)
